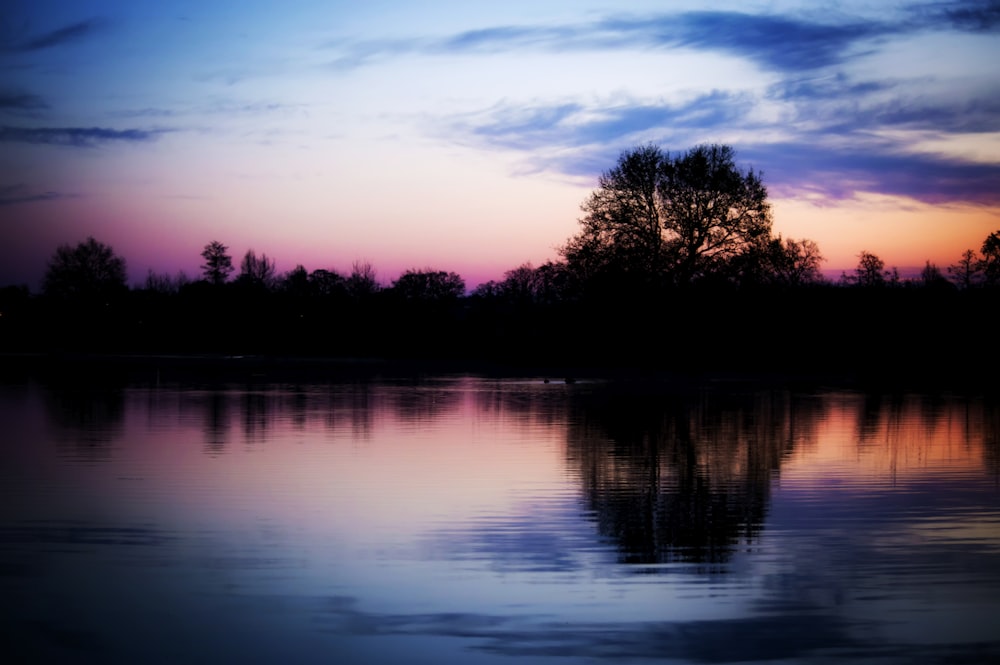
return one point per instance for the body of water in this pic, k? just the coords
(477, 520)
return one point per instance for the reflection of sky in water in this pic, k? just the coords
(470, 520)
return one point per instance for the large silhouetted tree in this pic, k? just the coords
(681, 217)
(218, 264)
(90, 271)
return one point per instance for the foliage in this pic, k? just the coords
(990, 263)
(218, 265)
(429, 286)
(656, 217)
(89, 271)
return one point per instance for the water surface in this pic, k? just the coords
(475, 520)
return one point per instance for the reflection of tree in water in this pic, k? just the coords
(90, 412)
(419, 402)
(216, 422)
(672, 478)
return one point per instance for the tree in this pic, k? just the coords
(991, 259)
(218, 265)
(429, 286)
(869, 272)
(682, 217)
(968, 271)
(257, 270)
(88, 272)
(362, 282)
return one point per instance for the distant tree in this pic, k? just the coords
(779, 261)
(362, 281)
(429, 286)
(326, 283)
(682, 217)
(931, 277)
(870, 270)
(257, 270)
(967, 272)
(296, 281)
(165, 283)
(218, 265)
(990, 263)
(90, 271)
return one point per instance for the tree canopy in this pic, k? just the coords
(218, 264)
(91, 270)
(657, 217)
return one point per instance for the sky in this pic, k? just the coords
(464, 136)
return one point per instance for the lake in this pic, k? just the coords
(467, 519)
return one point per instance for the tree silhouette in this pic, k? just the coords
(90, 271)
(682, 217)
(362, 282)
(257, 270)
(218, 265)
(967, 272)
(429, 286)
(991, 259)
(870, 270)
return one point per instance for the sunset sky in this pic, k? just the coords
(464, 136)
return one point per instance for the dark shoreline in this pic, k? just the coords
(207, 368)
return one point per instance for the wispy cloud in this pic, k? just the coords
(19, 102)
(886, 168)
(970, 15)
(78, 137)
(781, 43)
(574, 125)
(21, 193)
(64, 35)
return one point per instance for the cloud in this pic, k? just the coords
(21, 193)
(64, 35)
(775, 42)
(79, 137)
(571, 125)
(970, 15)
(791, 168)
(15, 101)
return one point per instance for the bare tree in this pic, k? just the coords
(362, 281)
(683, 216)
(257, 270)
(967, 272)
(870, 270)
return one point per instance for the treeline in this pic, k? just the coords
(675, 268)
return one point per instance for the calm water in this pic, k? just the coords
(470, 520)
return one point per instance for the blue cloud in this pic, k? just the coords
(776, 42)
(968, 15)
(572, 125)
(21, 193)
(66, 34)
(841, 173)
(79, 137)
(16, 101)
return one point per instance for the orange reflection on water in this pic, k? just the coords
(878, 440)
